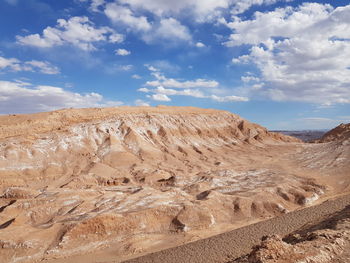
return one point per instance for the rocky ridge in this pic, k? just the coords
(339, 133)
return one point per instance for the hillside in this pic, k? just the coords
(139, 179)
(339, 133)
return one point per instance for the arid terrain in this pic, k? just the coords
(305, 136)
(107, 185)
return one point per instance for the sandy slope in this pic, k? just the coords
(134, 180)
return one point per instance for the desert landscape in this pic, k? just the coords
(114, 184)
(162, 131)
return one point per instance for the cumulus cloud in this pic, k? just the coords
(185, 92)
(200, 44)
(163, 93)
(10, 63)
(94, 4)
(163, 65)
(228, 98)
(118, 13)
(164, 87)
(43, 66)
(125, 67)
(164, 28)
(299, 51)
(135, 76)
(242, 6)
(202, 11)
(249, 78)
(160, 97)
(122, 52)
(151, 68)
(168, 29)
(144, 90)
(16, 65)
(282, 22)
(163, 81)
(169, 7)
(189, 84)
(19, 97)
(76, 31)
(158, 20)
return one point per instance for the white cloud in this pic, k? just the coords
(161, 92)
(77, 31)
(185, 92)
(126, 67)
(228, 98)
(11, 63)
(242, 6)
(144, 90)
(160, 97)
(135, 76)
(118, 13)
(122, 52)
(165, 28)
(170, 7)
(19, 97)
(161, 80)
(141, 103)
(299, 51)
(163, 87)
(282, 22)
(201, 11)
(151, 68)
(116, 38)
(43, 66)
(163, 65)
(168, 29)
(16, 65)
(95, 4)
(247, 79)
(188, 84)
(200, 44)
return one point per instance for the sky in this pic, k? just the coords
(284, 64)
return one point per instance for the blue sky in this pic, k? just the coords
(281, 63)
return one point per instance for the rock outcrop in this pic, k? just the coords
(339, 133)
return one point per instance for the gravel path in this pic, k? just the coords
(233, 244)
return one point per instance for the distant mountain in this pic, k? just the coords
(305, 135)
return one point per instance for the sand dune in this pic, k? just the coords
(135, 180)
